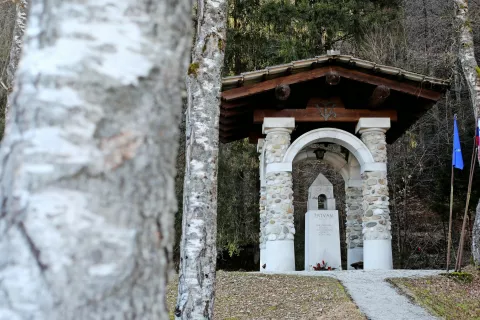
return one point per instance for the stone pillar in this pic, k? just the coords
(376, 218)
(262, 202)
(279, 254)
(354, 237)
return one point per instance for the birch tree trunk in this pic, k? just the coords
(199, 222)
(87, 164)
(17, 43)
(476, 237)
(470, 70)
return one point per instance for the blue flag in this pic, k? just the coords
(457, 159)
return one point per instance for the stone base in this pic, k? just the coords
(279, 256)
(354, 255)
(377, 255)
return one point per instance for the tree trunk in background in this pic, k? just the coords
(87, 181)
(476, 237)
(470, 71)
(17, 44)
(199, 225)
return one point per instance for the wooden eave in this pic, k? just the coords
(404, 96)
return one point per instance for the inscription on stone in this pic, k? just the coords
(325, 227)
(322, 238)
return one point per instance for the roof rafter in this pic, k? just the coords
(352, 74)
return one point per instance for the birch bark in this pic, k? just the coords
(17, 43)
(471, 71)
(88, 162)
(199, 222)
(476, 237)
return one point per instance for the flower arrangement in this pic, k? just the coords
(322, 267)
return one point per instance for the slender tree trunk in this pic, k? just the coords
(471, 72)
(476, 237)
(17, 44)
(199, 225)
(88, 162)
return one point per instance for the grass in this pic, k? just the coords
(259, 296)
(7, 19)
(448, 297)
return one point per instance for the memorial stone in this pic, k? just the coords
(322, 242)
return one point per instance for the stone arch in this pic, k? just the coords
(332, 135)
(359, 160)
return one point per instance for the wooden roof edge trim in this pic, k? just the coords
(346, 59)
(313, 115)
(355, 75)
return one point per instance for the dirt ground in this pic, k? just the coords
(260, 296)
(445, 297)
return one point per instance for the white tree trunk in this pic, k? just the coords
(17, 44)
(476, 237)
(88, 162)
(471, 73)
(199, 223)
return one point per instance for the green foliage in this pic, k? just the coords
(193, 68)
(7, 19)
(238, 220)
(460, 277)
(263, 33)
(233, 249)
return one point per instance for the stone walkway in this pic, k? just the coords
(375, 297)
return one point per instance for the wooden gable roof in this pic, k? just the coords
(327, 91)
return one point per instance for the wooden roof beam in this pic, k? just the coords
(282, 92)
(379, 96)
(234, 112)
(396, 85)
(324, 114)
(332, 78)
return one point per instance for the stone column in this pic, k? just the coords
(279, 229)
(262, 202)
(354, 237)
(376, 218)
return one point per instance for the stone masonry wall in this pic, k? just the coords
(376, 218)
(354, 212)
(279, 208)
(263, 216)
(276, 145)
(278, 218)
(376, 143)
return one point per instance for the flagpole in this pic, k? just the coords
(450, 222)
(458, 266)
(450, 219)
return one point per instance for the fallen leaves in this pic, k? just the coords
(261, 296)
(444, 296)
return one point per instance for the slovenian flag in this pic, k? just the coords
(457, 158)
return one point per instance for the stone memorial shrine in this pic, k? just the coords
(339, 110)
(322, 230)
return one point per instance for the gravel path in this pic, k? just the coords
(375, 297)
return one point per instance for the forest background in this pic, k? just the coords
(416, 35)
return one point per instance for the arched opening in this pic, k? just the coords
(350, 162)
(322, 202)
(305, 171)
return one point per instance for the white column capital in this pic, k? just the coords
(260, 144)
(373, 124)
(278, 125)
